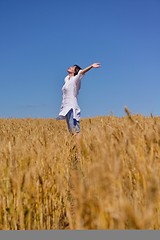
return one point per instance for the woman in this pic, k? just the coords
(69, 108)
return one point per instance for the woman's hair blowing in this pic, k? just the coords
(77, 68)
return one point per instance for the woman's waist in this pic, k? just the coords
(67, 100)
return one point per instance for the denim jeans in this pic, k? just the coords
(73, 124)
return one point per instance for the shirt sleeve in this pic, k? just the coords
(79, 76)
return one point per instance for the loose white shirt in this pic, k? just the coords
(70, 92)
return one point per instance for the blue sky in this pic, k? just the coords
(40, 39)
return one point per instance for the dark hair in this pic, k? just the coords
(77, 68)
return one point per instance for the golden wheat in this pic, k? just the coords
(110, 179)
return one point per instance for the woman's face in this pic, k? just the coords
(71, 69)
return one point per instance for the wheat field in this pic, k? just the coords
(107, 179)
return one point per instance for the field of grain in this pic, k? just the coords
(107, 179)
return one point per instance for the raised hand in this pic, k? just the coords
(96, 65)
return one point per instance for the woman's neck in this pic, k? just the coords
(71, 75)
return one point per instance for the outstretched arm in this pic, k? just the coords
(94, 65)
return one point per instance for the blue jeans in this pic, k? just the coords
(73, 124)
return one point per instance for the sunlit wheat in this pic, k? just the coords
(110, 179)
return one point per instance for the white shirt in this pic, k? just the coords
(69, 96)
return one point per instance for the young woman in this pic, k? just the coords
(69, 108)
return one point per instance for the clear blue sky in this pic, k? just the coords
(40, 39)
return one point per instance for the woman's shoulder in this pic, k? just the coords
(79, 75)
(66, 78)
